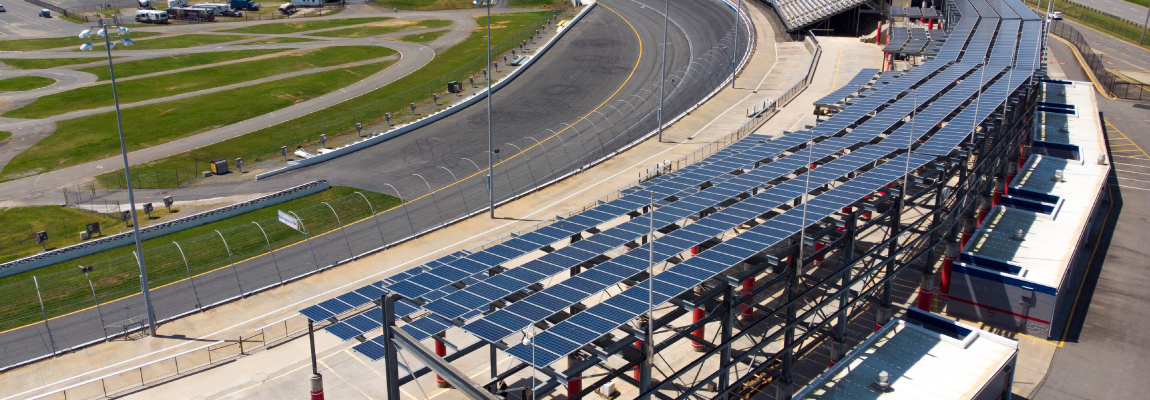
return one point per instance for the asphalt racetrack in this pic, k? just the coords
(594, 92)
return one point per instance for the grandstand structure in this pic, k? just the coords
(798, 236)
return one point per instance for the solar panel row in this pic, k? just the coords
(519, 315)
(579, 330)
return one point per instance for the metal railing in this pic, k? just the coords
(181, 364)
(1111, 82)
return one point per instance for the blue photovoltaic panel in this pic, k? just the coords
(371, 349)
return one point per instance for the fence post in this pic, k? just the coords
(373, 216)
(103, 327)
(350, 252)
(306, 238)
(274, 262)
(199, 305)
(233, 263)
(45, 314)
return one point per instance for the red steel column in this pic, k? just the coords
(635, 369)
(878, 39)
(748, 311)
(440, 350)
(968, 226)
(694, 251)
(317, 387)
(926, 292)
(574, 386)
(984, 209)
(696, 316)
(947, 265)
(819, 246)
(999, 189)
(882, 315)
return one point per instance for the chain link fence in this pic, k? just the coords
(46, 314)
(1116, 85)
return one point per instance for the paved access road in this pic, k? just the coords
(572, 74)
(1103, 353)
(1123, 9)
(21, 21)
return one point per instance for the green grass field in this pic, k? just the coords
(259, 145)
(22, 83)
(385, 28)
(115, 274)
(63, 224)
(94, 137)
(423, 37)
(160, 64)
(46, 63)
(275, 40)
(302, 26)
(172, 84)
(175, 42)
(1119, 28)
(425, 5)
(5, 135)
(52, 43)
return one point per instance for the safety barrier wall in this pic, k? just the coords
(433, 117)
(154, 231)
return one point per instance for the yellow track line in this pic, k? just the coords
(1089, 73)
(633, 69)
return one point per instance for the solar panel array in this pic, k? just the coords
(583, 328)
(857, 151)
(899, 36)
(856, 85)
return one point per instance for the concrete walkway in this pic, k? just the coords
(276, 373)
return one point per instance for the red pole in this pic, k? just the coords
(926, 293)
(694, 251)
(878, 39)
(819, 246)
(748, 311)
(635, 369)
(984, 210)
(574, 386)
(947, 265)
(440, 350)
(696, 316)
(999, 189)
(316, 387)
(968, 226)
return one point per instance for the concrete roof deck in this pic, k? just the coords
(922, 364)
(1050, 240)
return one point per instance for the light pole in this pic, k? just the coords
(490, 161)
(663, 70)
(1144, 23)
(108, 45)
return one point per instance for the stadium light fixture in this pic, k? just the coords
(110, 44)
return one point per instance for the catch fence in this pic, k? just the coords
(191, 274)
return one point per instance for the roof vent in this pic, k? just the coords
(1065, 128)
(1019, 234)
(881, 382)
(1059, 176)
(1101, 159)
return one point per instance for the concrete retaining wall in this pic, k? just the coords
(154, 231)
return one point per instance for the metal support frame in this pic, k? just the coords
(273, 254)
(345, 239)
(231, 262)
(191, 279)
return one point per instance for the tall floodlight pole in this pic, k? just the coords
(108, 44)
(649, 344)
(490, 155)
(735, 50)
(1144, 23)
(663, 71)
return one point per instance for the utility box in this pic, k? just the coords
(454, 87)
(220, 167)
